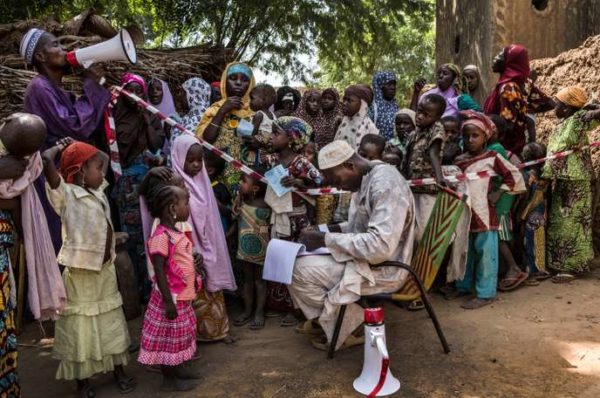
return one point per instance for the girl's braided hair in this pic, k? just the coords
(161, 197)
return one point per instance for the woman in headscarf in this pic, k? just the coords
(384, 108)
(450, 85)
(160, 96)
(310, 111)
(332, 113)
(208, 238)
(64, 114)
(198, 93)
(512, 98)
(569, 231)
(473, 86)
(356, 122)
(219, 123)
(137, 132)
(288, 100)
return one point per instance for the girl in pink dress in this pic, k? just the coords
(169, 330)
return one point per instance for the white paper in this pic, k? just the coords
(281, 257)
(274, 177)
(323, 228)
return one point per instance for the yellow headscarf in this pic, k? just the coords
(243, 113)
(574, 96)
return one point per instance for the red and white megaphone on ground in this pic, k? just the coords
(376, 379)
(119, 48)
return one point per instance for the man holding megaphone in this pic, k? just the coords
(64, 114)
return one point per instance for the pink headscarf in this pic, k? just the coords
(133, 78)
(208, 234)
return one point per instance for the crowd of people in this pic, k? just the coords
(73, 171)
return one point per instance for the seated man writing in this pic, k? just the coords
(380, 228)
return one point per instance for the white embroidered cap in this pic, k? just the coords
(29, 42)
(334, 154)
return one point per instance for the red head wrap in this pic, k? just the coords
(73, 158)
(516, 69)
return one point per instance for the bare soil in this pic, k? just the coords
(541, 341)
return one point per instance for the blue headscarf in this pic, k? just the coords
(239, 68)
(383, 112)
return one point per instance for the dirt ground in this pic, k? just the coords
(539, 341)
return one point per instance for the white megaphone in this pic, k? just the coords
(376, 379)
(119, 48)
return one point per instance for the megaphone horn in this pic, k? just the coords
(119, 48)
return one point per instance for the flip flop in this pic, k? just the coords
(476, 303)
(563, 278)
(289, 320)
(508, 284)
(257, 325)
(541, 276)
(242, 320)
(125, 385)
(320, 343)
(531, 281)
(416, 305)
(309, 328)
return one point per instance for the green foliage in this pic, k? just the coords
(350, 38)
(401, 39)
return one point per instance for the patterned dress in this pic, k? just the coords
(9, 381)
(569, 232)
(253, 235)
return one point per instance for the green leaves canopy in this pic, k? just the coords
(351, 39)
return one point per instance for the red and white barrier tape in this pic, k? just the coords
(324, 191)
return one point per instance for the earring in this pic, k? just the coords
(174, 217)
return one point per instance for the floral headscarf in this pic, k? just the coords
(197, 92)
(298, 131)
(383, 112)
(317, 122)
(331, 117)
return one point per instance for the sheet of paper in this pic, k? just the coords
(279, 261)
(274, 177)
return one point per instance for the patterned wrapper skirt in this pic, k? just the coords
(164, 341)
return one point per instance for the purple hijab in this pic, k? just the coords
(166, 105)
(208, 234)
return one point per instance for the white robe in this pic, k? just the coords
(381, 227)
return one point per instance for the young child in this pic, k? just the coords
(169, 329)
(512, 276)
(482, 258)
(91, 334)
(453, 141)
(393, 156)
(424, 157)
(372, 147)
(356, 122)
(262, 98)
(208, 238)
(290, 135)
(533, 215)
(21, 135)
(254, 218)
(404, 127)
(214, 168)
(310, 152)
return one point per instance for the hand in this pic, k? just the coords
(95, 72)
(312, 239)
(170, 311)
(12, 167)
(162, 173)
(232, 103)
(199, 262)
(252, 143)
(493, 197)
(291, 182)
(420, 84)
(589, 116)
(64, 142)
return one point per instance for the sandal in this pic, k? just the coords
(455, 294)
(416, 305)
(87, 392)
(257, 324)
(289, 320)
(541, 276)
(321, 343)
(563, 278)
(242, 320)
(309, 328)
(125, 384)
(531, 281)
(508, 284)
(476, 303)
